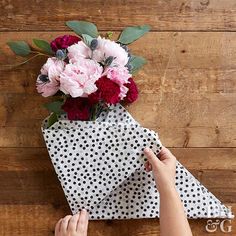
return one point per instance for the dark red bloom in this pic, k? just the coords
(63, 42)
(77, 108)
(132, 93)
(108, 91)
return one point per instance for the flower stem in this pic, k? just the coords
(22, 63)
(94, 115)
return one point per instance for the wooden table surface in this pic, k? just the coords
(187, 94)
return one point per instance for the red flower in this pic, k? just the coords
(63, 42)
(77, 108)
(132, 93)
(108, 91)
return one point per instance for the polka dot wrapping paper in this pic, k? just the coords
(100, 167)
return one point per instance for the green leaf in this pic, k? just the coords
(43, 45)
(87, 39)
(83, 27)
(55, 107)
(130, 34)
(20, 48)
(52, 119)
(136, 63)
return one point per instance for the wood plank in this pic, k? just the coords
(42, 187)
(182, 120)
(39, 220)
(188, 96)
(194, 15)
(30, 187)
(164, 50)
(37, 159)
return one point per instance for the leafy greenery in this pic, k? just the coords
(130, 34)
(87, 39)
(20, 48)
(43, 45)
(83, 27)
(55, 107)
(52, 119)
(136, 63)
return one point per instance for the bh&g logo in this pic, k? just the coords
(224, 226)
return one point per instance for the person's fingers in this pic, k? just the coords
(152, 158)
(57, 227)
(82, 225)
(64, 223)
(73, 222)
(165, 153)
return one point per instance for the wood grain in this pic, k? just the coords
(37, 159)
(42, 187)
(191, 15)
(39, 220)
(187, 94)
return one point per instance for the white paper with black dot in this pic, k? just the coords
(100, 167)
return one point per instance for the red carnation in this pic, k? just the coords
(63, 42)
(77, 108)
(108, 91)
(132, 93)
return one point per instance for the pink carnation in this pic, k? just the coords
(78, 51)
(118, 74)
(79, 79)
(50, 73)
(108, 48)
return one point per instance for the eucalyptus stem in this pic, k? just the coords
(24, 62)
(94, 115)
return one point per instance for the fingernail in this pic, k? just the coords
(84, 210)
(146, 149)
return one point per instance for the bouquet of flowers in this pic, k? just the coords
(95, 145)
(88, 72)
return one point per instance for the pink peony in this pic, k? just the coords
(108, 48)
(48, 82)
(78, 51)
(118, 74)
(63, 42)
(79, 79)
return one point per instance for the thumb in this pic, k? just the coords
(152, 158)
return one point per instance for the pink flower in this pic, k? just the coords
(108, 48)
(79, 79)
(78, 51)
(63, 42)
(118, 74)
(123, 91)
(48, 82)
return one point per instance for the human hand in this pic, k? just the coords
(163, 168)
(76, 225)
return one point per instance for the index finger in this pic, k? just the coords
(82, 225)
(165, 153)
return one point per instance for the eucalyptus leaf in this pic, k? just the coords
(20, 48)
(43, 45)
(55, 107)
(136, 62)
(130, 34)
(52, 119)
(87, 39)
(83, 27)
